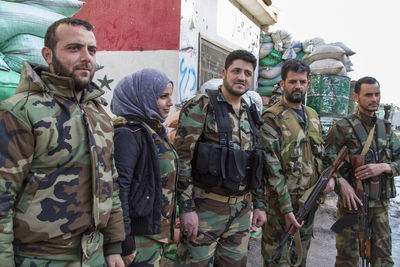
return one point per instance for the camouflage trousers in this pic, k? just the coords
(96, 260)
(148, 252)
(227, 223)
(381, 242)
(273, 232)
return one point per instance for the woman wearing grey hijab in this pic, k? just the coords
(146, 163)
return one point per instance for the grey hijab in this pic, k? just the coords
(137, 94)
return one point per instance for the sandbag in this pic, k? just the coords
(297, 46)
(273, 58)
(20, 48)
(265, 90)
(347, 63)
(64, 7)
(265, 38)
(20, 18)
(289, 54)
(270, 72)
(325, 52)
(346, 49)
(326, 67)
(8, 83)
(300, 55)
(310, 44)
(343, 73)
(281, 39)
(264, 82)
(265, 49)
(3, 65)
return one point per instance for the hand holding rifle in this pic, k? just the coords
(307, 211)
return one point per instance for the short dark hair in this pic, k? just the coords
(50, 39)
(367, 80)
(243, 55)
(296, 65)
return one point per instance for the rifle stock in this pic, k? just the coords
(311, 203)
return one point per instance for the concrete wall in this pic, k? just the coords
(218, 21)
(134, 25)
(118, 64)
(132, 35)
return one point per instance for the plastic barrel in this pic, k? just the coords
(352, 103)
(328, 119)
(329, 94)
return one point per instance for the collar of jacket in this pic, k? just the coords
(366, 119)
(300, 119)
(221, 98)
(37, 78)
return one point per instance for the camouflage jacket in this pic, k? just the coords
(385, 148)
(197, 120)
(57, 172)
(299, 146)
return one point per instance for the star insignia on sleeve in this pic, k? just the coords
(105, 82)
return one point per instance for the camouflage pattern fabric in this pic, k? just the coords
(347, 247)
(386, 146)
(274, 231)
(197, 120)
(55, 152)
(296, 150)
(277, 96)
(228, 224)
(148, 252)
(149, 248)
(95, 259)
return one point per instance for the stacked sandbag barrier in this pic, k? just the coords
(23, 25)
(275, 48)
(329, 91)
(329, 59)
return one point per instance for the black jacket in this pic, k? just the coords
(139, 178)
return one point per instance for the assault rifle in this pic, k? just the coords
(310, 205)
(360, 218)
(364, 231)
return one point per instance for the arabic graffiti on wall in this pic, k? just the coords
(245, 33)
(187, 74)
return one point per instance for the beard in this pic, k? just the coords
(232, 91)
(291, 97)
(61, 70)
(368, 109)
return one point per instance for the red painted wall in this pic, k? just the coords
(132, 25)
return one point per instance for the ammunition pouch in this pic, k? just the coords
(216, 165)
(219, 165)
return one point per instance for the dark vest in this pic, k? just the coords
(219, 164)
(379, 187)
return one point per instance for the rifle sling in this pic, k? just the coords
(347, 220)
(299, 250)
(368, 142)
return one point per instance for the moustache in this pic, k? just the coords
(83, 66)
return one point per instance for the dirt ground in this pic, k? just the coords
(322, 252)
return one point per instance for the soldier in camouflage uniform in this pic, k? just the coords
(60, 204)
(296, 138)
(382, 163)
(277, 95)
(215, 222)
(147, 164)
